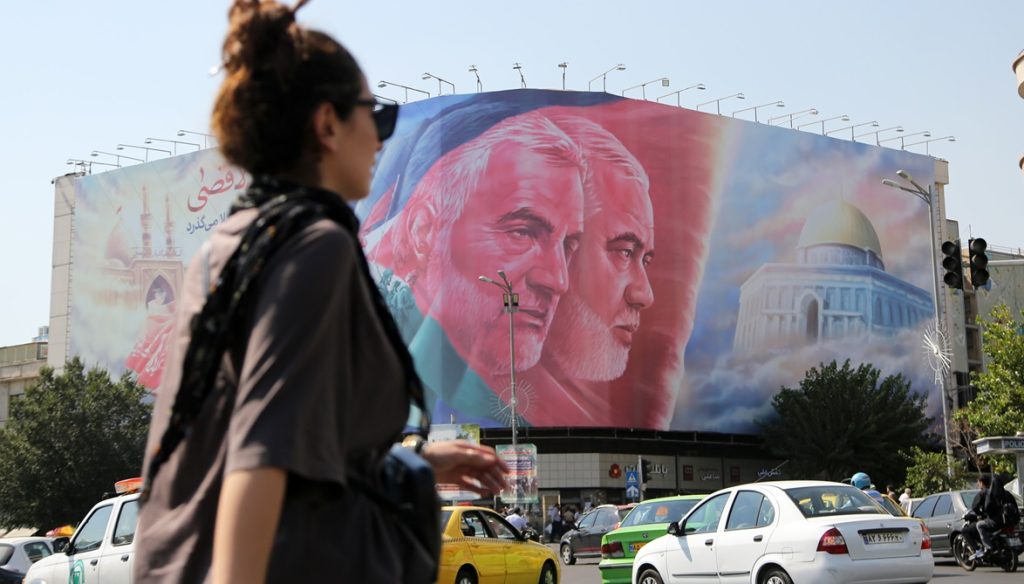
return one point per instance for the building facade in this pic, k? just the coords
(19, 368)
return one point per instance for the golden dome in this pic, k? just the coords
(839, 222)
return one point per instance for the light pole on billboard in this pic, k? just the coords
(175, 142)
(718, 102)
(383, 84)
(807, 112)
(510, 301)
(604, 77)
(926, 196)
(563, 66)
(522, 80)
(877, 132)
(852, 128)
(479, 84)
(779, 103)
(926, 142)
(439, 82)
(843, 117)
(146, 148)
(699, 86)
(86, 165)
(96, 153)
(902, 138)
(643, 86)
(205, 136)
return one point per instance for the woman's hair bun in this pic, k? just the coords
(262, 34)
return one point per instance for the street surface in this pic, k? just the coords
(946, 572)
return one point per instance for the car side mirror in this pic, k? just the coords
(673, 529)
(61, 545)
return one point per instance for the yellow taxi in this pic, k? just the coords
(480, 547)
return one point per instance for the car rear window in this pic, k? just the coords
(968, 497)
(6, 551)
(828, 500)
(658, 512)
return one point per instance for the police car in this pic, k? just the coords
(102, 548)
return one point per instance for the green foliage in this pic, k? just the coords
(998, 408)
(68, 439)
(842, 420)
(927, 472)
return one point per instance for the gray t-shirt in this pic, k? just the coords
(312, 387)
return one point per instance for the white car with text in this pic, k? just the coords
(788, 532)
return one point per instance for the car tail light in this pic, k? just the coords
(612, 550)
(833, 542)
(926, 538)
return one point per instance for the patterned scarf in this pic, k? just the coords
(284, 210)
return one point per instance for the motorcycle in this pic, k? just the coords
(1007, 545)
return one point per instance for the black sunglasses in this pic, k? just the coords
(384, 116)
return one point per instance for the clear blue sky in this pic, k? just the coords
(79, 76)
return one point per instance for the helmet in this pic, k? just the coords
(860, 480)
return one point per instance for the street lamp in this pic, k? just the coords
(604, 77)
(643, 86)
(926, 142)
(205, 136)
(925, 133)
(757, 107)
(873, 124)
(510, 301)
(146, 148)
(479, 84)
(699, 86)
(175, 142)
(718, 102)
(843, 117)
(563, 66)
(407, 89)
(96, 153)
(439, 82)
(807, 112)
(522, 80)
(876, 133)
(927, 196)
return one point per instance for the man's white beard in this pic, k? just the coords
(583, 344)
(472, 335)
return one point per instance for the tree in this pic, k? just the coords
(998, 408)
(927, 472)
(842, 420)
(68, 439)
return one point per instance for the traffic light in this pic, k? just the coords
(978, 260)
(953, 264)
(645, 470)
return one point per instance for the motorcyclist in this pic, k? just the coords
(862, 481)
(987, 508)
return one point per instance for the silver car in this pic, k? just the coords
(18, 553)
(943, 514)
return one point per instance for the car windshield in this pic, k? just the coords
(890, 506)
(445, 515)
(827, 500)
(658, 512)
(968, 497)
(6, 551)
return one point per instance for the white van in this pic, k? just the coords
(102, 549)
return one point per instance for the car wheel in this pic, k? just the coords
(962, 553)
(466, 576)
(776, 576)
(649, 576)
(548, 575)
(568, 557)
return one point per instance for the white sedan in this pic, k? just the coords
(786, 532)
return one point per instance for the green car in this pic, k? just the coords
(647, 521)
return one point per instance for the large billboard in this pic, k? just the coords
(673, 268)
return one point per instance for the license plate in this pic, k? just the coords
(883, 537)
(635, 547)
(1013, 541)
